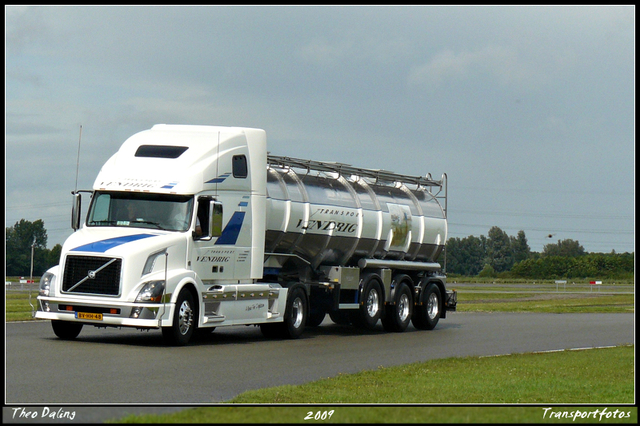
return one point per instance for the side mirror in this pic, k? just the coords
(75, 210)
(209, 224)
(216, 219)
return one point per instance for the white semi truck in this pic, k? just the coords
(190, 228)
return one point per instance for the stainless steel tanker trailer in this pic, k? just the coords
(368, 239)
(197, 227)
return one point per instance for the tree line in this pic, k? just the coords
(19, 240)
(494, 255)
(501, 255)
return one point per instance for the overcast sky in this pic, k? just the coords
(529, 110)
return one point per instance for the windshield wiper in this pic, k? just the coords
(146, 222)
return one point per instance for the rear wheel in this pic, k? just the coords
(427, 314)
(183, 326)
(295, 317)
(398, 315)
(315, 317)
(370, 310)
(66, 330)
(340, 317)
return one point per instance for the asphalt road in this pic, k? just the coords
(123, 366)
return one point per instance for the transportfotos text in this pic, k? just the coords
(597, 414)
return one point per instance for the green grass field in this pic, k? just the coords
(567, 377)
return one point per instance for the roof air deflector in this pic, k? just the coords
(160, 151)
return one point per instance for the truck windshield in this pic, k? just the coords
(141, 210)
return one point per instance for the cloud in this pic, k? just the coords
(502, 64)
(496, 95)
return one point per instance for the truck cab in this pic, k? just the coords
(176, 222)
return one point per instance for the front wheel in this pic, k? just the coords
(183, 326)
(427, 314)
(66, 330)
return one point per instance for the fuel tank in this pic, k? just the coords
(331, 218)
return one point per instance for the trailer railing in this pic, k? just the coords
(347, 170)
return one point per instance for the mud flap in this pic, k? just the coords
(451, 301)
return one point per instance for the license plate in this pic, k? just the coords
(89, 316)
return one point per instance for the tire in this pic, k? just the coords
(66, 330)
(340, 317)
(398, 315)
(315, 317)
(427, 314)
(295, 317)
(371, 304)
(204, 332)
(183, 326)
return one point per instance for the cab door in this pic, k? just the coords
(208, 260)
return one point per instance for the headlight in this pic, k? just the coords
(46, 281)
(151, 292)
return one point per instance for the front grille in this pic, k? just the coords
(92, 275)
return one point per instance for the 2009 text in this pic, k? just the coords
(319, 415)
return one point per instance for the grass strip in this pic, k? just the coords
(17, 307)
(569, 377)
(546, 302)
(397, 415)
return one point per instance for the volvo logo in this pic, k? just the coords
(91, 275)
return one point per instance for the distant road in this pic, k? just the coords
(122, 366)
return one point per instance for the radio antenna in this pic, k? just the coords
(78, 160)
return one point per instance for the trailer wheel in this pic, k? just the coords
(295, 317)
(427, 314)
(66, 330)
(370, 310)
(398, 315)
(183, 326)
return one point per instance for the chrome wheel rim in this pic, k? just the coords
(297, 312)
(403, 308)
(433, 307)
(372, 303)
(185, 317)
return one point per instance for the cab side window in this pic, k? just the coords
(239, 165)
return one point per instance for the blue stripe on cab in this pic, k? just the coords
(232, 230)
(104, 245)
